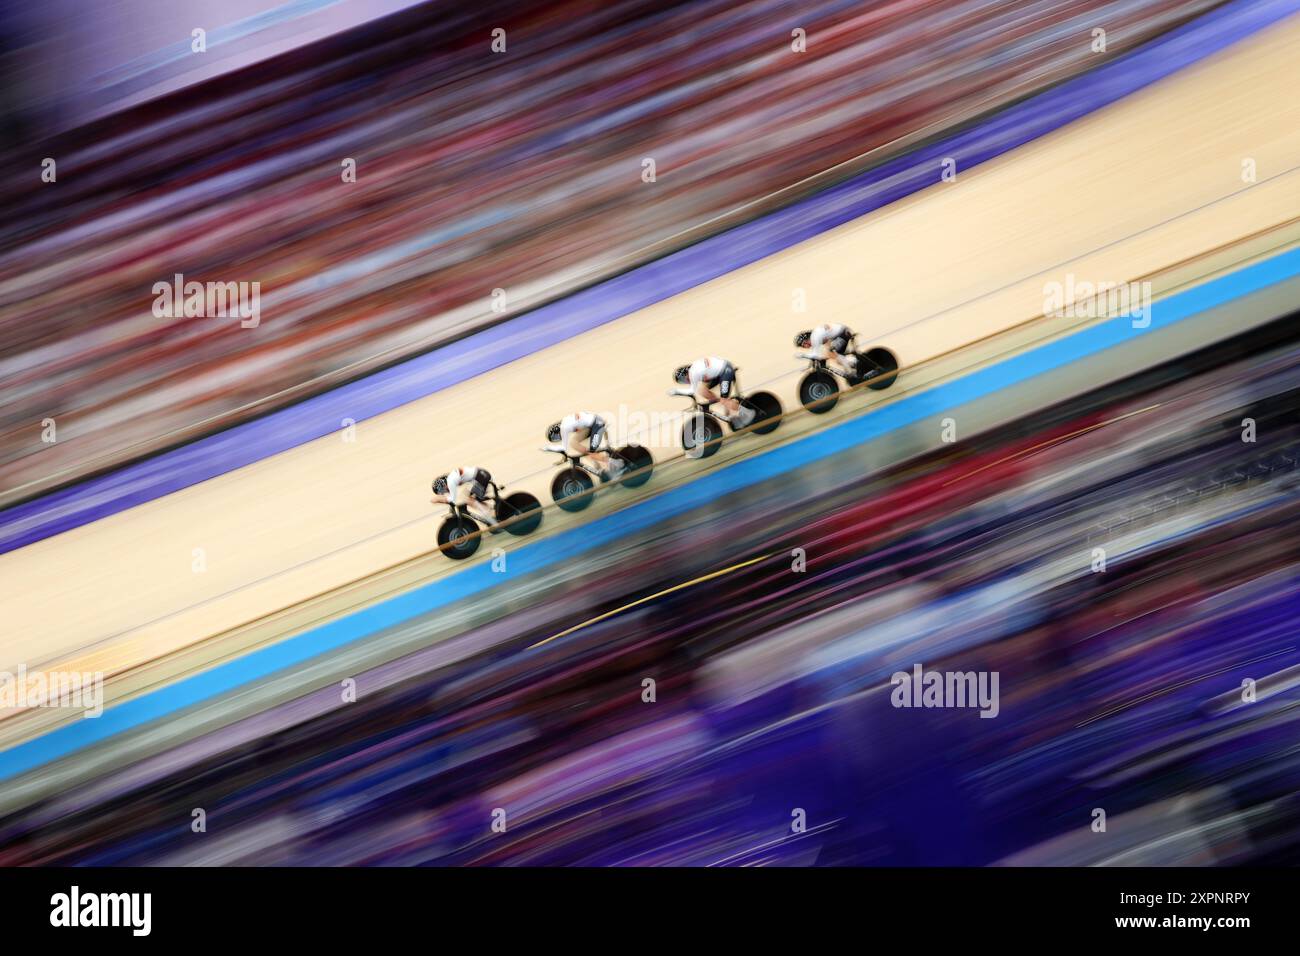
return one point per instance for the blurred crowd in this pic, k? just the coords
(1121, 573)
(475, 171)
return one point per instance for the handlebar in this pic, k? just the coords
(564, 453)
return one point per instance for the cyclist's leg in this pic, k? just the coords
(478, 498)
(727, 392)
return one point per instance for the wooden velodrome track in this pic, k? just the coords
(1130, 191)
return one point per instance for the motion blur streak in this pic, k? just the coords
(651, 597)
(1120, 688)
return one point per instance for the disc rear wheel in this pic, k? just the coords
(639, 465)
(769, 411)
(878, 368)
(520, 513)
